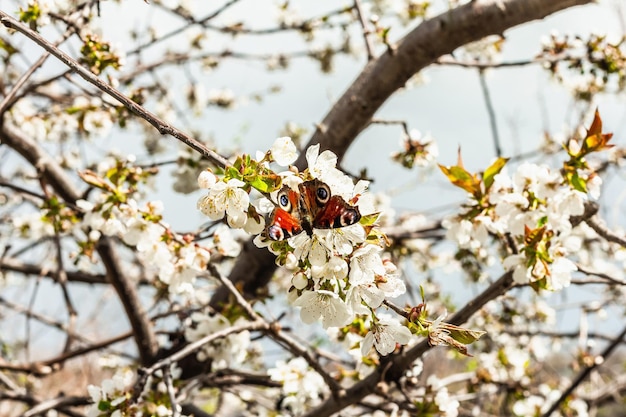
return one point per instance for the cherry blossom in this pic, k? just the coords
(226, 198)
(335, 269)
(343, 240)
(301, 385)
(384, 334)
(228, 352)
(448, 406)
(313, 248)
(112, 391)
(323, 304)
(284, 151)
(365, 264)
(364, 295)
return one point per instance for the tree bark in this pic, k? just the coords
(382, 77)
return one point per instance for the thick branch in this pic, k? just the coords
(125, 288)
(393, 367)
(421, 47)
(382, 77)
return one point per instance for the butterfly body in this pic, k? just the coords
(311, 207)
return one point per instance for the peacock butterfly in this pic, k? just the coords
(313, 207)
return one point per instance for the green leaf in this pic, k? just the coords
(578, 183)
(493, 170)
(461, 178)
(465, 336)
(264, 183)
(369, 219)
(231, 172)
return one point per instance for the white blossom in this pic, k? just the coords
(226, 198)
(448, 406)
(284, 151)
(365, 264)
(323, 304)
(385, 333)
(229, 351)
(560, 273)
(302, 386)
(517, 262)
(312, 247)
(335, 269)
(207, 179)
(342, 240)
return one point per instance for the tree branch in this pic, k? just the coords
(55, 176)
(602, 230)
(392, 367)
(379, 79)
(599, 360)
(160, 125)
(15, 265)
(421, 47)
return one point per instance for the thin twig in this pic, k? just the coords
(8, 99)
(606, 277)
(403, 123)
(317, 22)
(604, 232)
(167, 379)
(369, 46)
(279, 336)
(159, 124)
(56, 404)
(194, 346)
(451, 61)
(491, 112)
(182, 28)
(231, 287)
(599, 360)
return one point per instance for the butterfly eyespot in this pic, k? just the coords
(283, 202)
(275, 233)
(322, 194)
(349, 217)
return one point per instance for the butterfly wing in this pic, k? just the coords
(282, 225)
(321, 210)
(336, 213)
(285, 219)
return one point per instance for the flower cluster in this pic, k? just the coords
(175, 259)
(534, 207)
(37, 12)
(302, 387)
(114, 397)
(99, 55)
(227, 352)
(587, 66)
(339, 269)
(418, 150)
(531, 210)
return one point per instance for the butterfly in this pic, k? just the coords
(313, 207)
